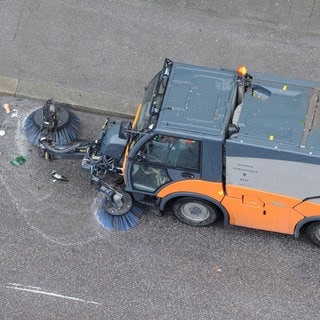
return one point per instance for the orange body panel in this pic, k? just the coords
(211, 189)
(268, 217)
(261, 210)
(308, 209)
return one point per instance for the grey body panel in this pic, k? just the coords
(277, 148)
(288, 178)
(288, 121)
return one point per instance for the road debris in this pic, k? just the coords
(7, 107)
(57, 176)
(18, 161)
(14, 113)
(216, 268)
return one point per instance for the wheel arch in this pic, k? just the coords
(166, 201)
(303, 223)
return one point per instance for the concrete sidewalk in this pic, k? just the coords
(95, 101)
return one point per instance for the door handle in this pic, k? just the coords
(187, 175)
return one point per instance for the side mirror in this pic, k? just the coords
(125, 129)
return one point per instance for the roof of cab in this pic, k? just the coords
(198, 100)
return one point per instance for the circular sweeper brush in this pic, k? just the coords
(119, 215)
(53, 122)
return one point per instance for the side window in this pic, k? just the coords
(173, 152)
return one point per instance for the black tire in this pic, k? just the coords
(195, 212)
(313, 233)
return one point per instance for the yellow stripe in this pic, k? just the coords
(127, 148)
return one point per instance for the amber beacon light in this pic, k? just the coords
(242, 71)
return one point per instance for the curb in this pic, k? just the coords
(83, 100)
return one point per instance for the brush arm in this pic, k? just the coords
(50, 151)
(117, 202)
(102, 186)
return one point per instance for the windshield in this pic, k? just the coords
(145, 114)
(153, 98)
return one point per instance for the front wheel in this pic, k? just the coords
(313, 233)
(195, 212)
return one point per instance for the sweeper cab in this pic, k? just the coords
(209, 144)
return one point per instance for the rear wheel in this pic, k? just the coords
(195, 212)
(313, 233)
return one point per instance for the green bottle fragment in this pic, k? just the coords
(14, 163)
(18, 161)
(21, 160)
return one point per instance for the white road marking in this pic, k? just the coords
(20, 287)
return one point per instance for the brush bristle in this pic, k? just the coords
(62, 136)
(31, 129)
(122, 222)
(68, 133)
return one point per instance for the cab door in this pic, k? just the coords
(160, 160)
